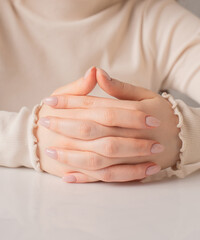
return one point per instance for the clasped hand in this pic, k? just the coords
(87, 139)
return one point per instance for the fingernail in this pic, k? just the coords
(152, 121)
(51, 153)
(153, 169)
(51, 101)
(88, 72)
(105, 74)
(156, 148)
(69, 178)
(44, 122)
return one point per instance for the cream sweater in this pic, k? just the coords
(47, 44)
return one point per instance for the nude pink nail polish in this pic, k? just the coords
(88, 72)
(157, 148)
(51, 101)
(152, 121)
(152, 170)
(52, 153)
(105, 74)
(69, 178)
(45, 122)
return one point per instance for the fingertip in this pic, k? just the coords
(51, 101)
(152, 121)
(69, 178)
(153, 169)
(103, 74)
(104, 80)
(44, 121)
(89, 81)
(78, 178)
(89, 72)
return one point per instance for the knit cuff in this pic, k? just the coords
(32, 138)
(186, 163)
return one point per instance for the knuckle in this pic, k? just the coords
(62, 157)
(109, 116)
(88, 101)
(55, 124)
(106, 175)
(93, 161)
(110, 147)
(135, 105)
(85, 130)
(63, 101)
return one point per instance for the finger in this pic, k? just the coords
(122, 90)
(123, 147)
(82, 129)
(112, 117)
(89, 130)
(124, 173)
(71, 101)
(86, 129)
(82, 86)
(77, 177)
(88, 160)
(113, 146)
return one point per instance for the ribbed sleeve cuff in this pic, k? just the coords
(32, 138)
(189, 157)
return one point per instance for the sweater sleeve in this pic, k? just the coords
(17, 140)
(175, 44)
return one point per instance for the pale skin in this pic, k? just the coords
(89, 139)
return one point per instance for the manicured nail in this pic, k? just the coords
(156, 148)
(153, 169)
(44, 122)
(69, 178)
(51, 101)
(51, 153)
(88, 72)
(105, 74)
(152, 121)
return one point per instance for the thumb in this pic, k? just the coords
(82, 86)
(122, 90)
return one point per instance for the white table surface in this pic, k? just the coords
(40, 206)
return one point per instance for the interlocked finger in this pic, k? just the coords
(89, 160)
(116, 173)
(88, 130)
(113, 146)
(81, 129)
(110, 117)
(67, 101)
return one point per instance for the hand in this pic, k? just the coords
(95, 122)
(45, 137)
